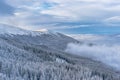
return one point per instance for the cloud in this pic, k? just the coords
(49, 12)
(87, 37)
(109, 55)
(114, 21)
(5, 9)
(83, 9)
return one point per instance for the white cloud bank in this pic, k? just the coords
(109, 55)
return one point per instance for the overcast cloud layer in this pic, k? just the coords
(52, 14)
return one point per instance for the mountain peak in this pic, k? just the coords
(12, 30)
(7, 29)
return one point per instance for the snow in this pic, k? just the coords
(19, 60)
(60, 60)
(11, 30)
(6, 29)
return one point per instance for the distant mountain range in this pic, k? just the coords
(31, 55)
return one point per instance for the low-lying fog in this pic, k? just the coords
(104, 49)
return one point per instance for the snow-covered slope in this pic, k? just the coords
(12, 30)
(47, 38)
(6, 29)
(42, 57)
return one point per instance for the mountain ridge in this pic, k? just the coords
(13, 30)
(42, 57)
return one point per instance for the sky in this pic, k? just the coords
(66, 16)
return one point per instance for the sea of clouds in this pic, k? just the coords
(108, 54)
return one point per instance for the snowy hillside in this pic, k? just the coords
(6, 29)
(11, 30)
(43, 57)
